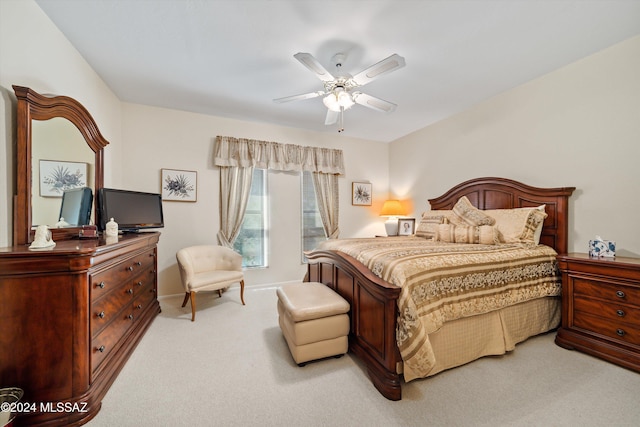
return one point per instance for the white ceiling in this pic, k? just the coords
(231, 58)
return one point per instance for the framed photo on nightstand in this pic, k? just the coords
(406, 226)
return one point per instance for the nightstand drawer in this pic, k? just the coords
(614, 312)
(601, 307)
(606, 290)
(616, 330)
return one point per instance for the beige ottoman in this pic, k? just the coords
(314, 321)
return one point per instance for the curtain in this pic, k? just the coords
(326, 186)
(239, 152)
(237, 157)
(235, 186)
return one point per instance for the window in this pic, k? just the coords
(252, 240)
(312, 229)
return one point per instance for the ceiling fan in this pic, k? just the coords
(340, 90)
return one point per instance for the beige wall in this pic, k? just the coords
(576, 127)
(144, 140)
(159, 138)
(34, 53)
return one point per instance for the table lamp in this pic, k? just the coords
(392, 209)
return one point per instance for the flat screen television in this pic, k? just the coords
(76, 206)
(132, 210)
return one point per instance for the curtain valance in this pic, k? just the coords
(234, 152)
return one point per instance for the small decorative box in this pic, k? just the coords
(602, 248)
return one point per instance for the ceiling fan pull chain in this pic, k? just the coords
(341, 122)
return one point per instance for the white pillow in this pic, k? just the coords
(519, 225)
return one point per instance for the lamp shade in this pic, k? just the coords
(392, 208)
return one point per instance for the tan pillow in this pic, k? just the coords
(428, 225)
(519, 225)
(446, 213)
(533, 223)
(471, 215)
(482, 234)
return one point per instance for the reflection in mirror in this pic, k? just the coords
(61, 154)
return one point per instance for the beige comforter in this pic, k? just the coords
(447, 281)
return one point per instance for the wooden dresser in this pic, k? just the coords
(71, 316)
(601, 307)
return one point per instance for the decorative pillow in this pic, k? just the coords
(533, 223)
(446, 213)
(519, 225)
(482, 234)
(471, 215)
(428, 225)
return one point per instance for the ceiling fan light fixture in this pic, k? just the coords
(338, 98)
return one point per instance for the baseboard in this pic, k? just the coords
(260, 287)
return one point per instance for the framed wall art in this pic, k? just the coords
(179, 185)
(406, 226)
(58, 176)
(361, 193)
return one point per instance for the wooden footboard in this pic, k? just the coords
(373, 315)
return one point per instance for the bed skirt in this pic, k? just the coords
(464, 340)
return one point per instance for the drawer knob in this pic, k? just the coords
(130, 317)
(620, 313)
(139, 306)
(129, 291)
(620, 332)
(140, 283)
(620, 294)
(100, 285)
(101, 349)
(101, 315)
(138, 263)
(130, 268)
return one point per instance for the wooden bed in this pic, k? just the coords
(374, 308)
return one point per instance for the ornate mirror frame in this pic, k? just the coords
(34, 106)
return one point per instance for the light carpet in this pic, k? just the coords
(232, 367)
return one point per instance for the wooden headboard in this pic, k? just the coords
(502, 193)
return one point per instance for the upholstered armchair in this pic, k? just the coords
(208, 268)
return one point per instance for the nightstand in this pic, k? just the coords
(601, 307)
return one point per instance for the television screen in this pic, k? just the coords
(76, 206)
(132, 210)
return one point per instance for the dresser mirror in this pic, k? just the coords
(55, 135)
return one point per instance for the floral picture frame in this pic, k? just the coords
(361, 193)
(179, 185)
(57, 176)
(406, 226)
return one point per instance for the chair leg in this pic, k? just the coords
(220, 293)
(193, 306)
(186, 298)
(242, 291)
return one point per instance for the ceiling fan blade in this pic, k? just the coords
(373, 102)
(387, 65)
(299, 97)
(332, 117)
(312, 63)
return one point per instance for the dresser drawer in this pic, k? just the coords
(606, 290)
(105, 281)
(107, 340)
(143, 299)
(105, 309)
(615, 330)
(615, 312)
(145, 279)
